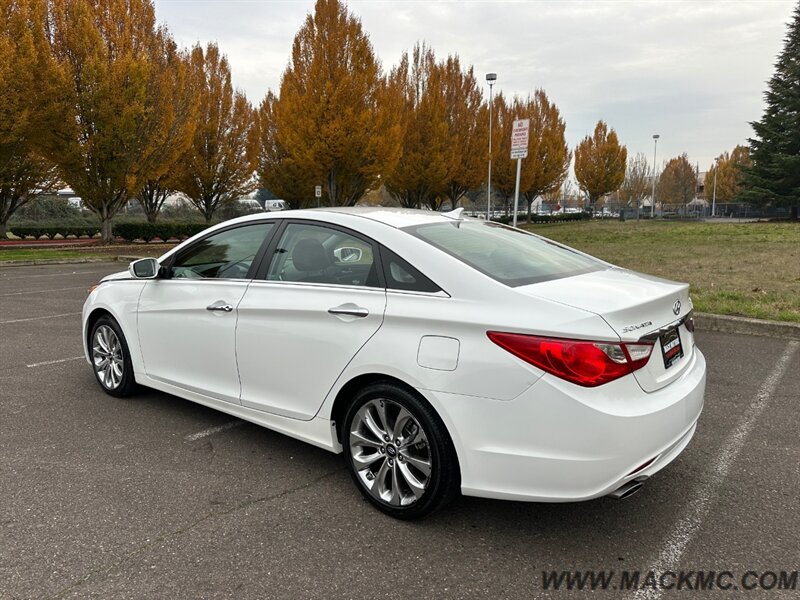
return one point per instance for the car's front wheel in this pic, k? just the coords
(111, 358)
(399, 452)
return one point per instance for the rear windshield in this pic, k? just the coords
(508, 255)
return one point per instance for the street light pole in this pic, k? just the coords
(490, 78)
(653, 197)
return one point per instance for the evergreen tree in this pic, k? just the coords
(774, 177)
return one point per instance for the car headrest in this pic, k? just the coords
(310, 255)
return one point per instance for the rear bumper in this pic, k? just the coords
(558, 442)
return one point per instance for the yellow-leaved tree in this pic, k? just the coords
(334, 123)
(421, 174)
(729, 172)
(548, 158)
(112, 99)
(220, 163)
(23, 56)
(600, 163)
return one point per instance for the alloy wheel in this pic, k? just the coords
(390, 452)
(107, 357)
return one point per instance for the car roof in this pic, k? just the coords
(394, 217)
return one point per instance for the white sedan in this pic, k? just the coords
(439, 354)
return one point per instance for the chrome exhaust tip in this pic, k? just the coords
(627, 490)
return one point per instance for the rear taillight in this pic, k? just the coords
(582, 362)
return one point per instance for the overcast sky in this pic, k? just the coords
(693, 72)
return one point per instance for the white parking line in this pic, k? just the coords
(211, 431)
(4, 277)
(700, 505)
(54, 362)
(72, 314)
(78, 287)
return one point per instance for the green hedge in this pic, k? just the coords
(126, 231)
(149, 231)
(51, 231)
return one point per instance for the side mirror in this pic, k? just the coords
(144, 268)
(348, 254)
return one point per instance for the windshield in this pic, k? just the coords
(508, 255)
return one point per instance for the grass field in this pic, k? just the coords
(93, 252)
(747, 269)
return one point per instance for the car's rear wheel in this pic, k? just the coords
(399, 452)
(111, 360)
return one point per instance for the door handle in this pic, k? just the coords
(220, 305)
(350, 310)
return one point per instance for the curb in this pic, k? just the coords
(747, 326)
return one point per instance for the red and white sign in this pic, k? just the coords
(519, 138)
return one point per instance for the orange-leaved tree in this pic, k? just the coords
(334, 121)
(220, 163)
(467, 120)
(23, 56)
(548, 158)
(421, 174)
(677, 183)
(111, 102)
(600, 163)
(729, 172)
(279, 172)
(180, 117)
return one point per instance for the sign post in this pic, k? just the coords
(318, 193)
(520, 131)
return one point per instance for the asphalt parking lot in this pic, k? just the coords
(156, 497)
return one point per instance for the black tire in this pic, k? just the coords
(114, 384)
(403, 496)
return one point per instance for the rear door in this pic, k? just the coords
(318, 299)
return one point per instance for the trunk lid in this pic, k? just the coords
(635, 306)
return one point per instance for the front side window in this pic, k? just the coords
(224, 255)
(319, 254)
(508, 255)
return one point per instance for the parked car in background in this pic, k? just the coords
(274, 205)
(439, 354)
(249, 205)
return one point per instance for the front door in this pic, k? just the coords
(187, 322)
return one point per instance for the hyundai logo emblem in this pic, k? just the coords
(676, 308)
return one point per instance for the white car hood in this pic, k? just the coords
(121, 275)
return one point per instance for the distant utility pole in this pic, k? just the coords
(714, 197)
(653, 197)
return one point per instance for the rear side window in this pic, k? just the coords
(400, 275)
(510, 256)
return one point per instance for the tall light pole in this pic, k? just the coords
(653, 197)
(490, 79)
